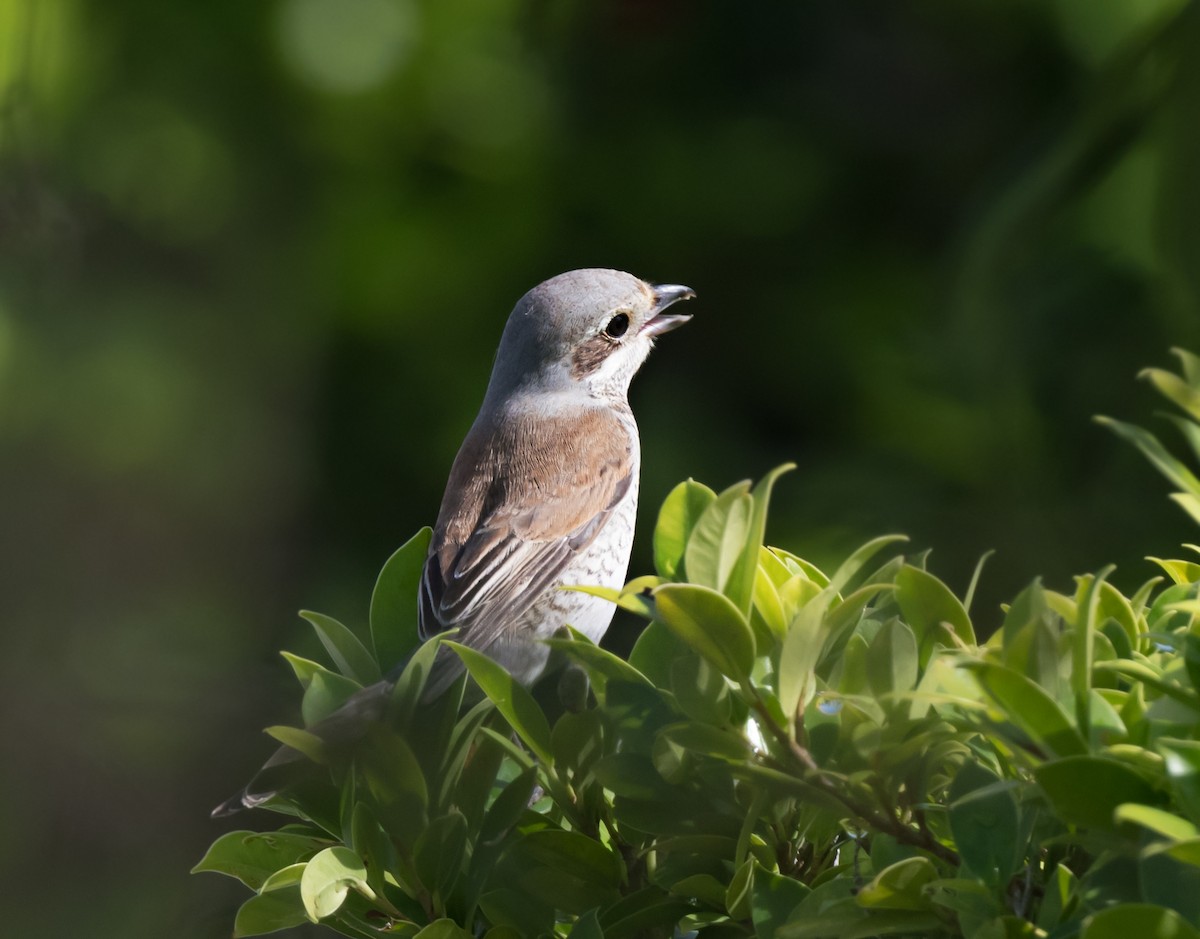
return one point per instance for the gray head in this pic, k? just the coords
(588, 329)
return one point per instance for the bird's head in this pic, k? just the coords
(586, 330)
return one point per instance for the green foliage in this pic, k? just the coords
(786, 754)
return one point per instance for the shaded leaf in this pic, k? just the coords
(393, 615)
(1142, 920)
(1086, 790)
(349, 655)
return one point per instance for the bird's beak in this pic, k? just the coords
(664, 296)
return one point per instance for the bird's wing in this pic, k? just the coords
(524, 497)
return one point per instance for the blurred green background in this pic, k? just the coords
(255, 258)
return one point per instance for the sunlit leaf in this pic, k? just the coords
(676, 519)
(718, 538)
(1029, 707)
(252, 856)
(710, 623)
(328, 877)
(934, 613)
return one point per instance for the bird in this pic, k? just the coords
(542, 494)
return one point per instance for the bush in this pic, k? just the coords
(786, 753)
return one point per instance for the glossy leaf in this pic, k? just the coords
(900, 886)
(892, 659)
(740, 587)
(511, 700)
(934, 613)
(1030, 708)
(859, 558)
(1183, 770)
(252, 856)
(709, 622)
(328, 877)
(719, 537)
(394, 602)
(676, 519)
(270, 912)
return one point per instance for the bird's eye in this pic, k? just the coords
(617, 326)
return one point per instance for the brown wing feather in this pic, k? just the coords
(524, 497)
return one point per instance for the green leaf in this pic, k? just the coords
(1171, 386)
(802, 647)
(856, 561)
(252, 857)
(741, 581)
(576, 741)
(934, 613)
(708, 740)
(654, 651)
(1156, 453)
(394, 602)
(703, 888)
(327, 879)
(511, 700)
(564, 869)
(1140, 920)
(892, 659)
(1082, 647)
(301, 741)
(396, 782)
(849, 925)
(439, 850)
(515, 908)
(985, 823)
(327, 691)
(443, 929)
(900, 886)
(1158, 821)
(676, 519)
(634, 596)
(1189, 364)
(700, 690)
(405, 702)
(709, 622)
(718, 538)
(601, 665)
(644, 912)
(1183, 770)
(346, 649)
(774, 900)
(1086, 790)
(587, 927)
(1029, 707)
(270, 912)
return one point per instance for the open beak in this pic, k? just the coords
(664, 296)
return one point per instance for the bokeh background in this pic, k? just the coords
(255, 258)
